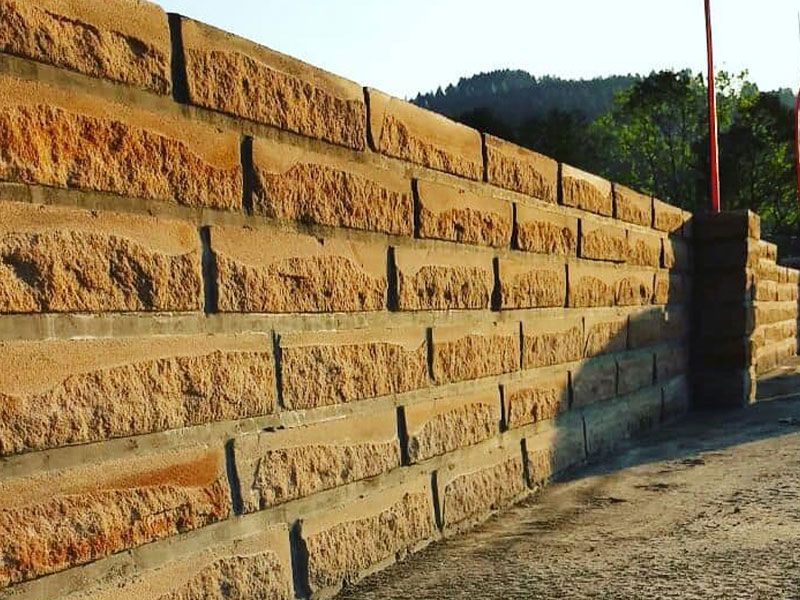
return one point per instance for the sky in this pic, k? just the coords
(407, 46)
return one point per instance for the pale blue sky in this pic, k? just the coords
(407, 46)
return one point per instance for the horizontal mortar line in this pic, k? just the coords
(120, 92)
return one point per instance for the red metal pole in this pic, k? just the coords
(713, 149)
(797, 142)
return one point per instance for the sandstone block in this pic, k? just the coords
(667, 217)
(548, 342)
(70, 260)
(324, 368)
(443, 279)
(767, 250)
(545, 232)
(66, 138)
(606, 285)
(594, 381)
(647, 328)
(735, 285)
(765, 291)
(792, 275)
(536, 399)
(600, 241)
(55, 393)
(767, 269)
(59, 519)
(632, 207)
(673, 288)
(671, 362)
(555, 449)
(447, 424)
(610, 424)
(274, 467)
(635, 371)
(345, 543)
(764, 314)
(300, 184)
(403, 130)
(451, 213)
(644, 249)
(634, 287)
(727, 254)
(122, 40)
(676, 398)
(521, 170)
(785, 292)
(463, 352)
(677, 255)
(727, 225)
(586, 191)
(236, 76)
(605, 334)
(276, 272)
(532, 283)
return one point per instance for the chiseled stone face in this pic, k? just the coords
(59, 519)
(521, 170)
(236, 76)
(605, 285)
(644, 249)
(545, 232)
(65, 138)
(673, 287)
(532, 283)
(411, 133)
(600, 241)
(586, 191)
(70, 260)
(55, 393)
(122, 40)
(671, 362)
(535, 400)
(667, 217)
(633, 207)
(452, 213)
(594, 381)
(273, 272)
(551, 342)
(299, 184)
(635, 372)
(471, 352)
(319, 369)
(605, 334)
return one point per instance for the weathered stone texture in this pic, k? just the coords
(69, 260)
(552, 450)
(323, 368)
(278, 466)
(594, 381)
(657, 325)
(632, 206)
(527, 283)
(270, 271)
(345, 543)
(238, 77)
(298, 184)
(644, 249)
(634, 288)
(441, 280)
(608, 425)
(674, 288)
(521, 170)
(551, 341)
(606, 285)
(535, 399)
(677, 255)
(446, 424)
(55, 520)
(402, 130)
(601, 241)
(470, 352)
(586, 191)
(605, 334)
(545, 232)
(63, 138)
(122, 40)
(635, 372)
(451, 213)
(671, 362)
(667, 217)
(55, 393)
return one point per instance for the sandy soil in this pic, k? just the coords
(707, 508)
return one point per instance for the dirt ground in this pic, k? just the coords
(707, 508)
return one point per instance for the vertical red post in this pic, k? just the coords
(797, 141)
(713, 148)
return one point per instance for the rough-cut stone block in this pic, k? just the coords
(447, 424)
(673, 288)
(767, 269)
(606, 285)
(463, 352)
(469, 492)
(677, 255)
(724, 387)
(344, 543)
(65, 138)
(764, 314)
(442, 279)
(59, 519)
(610, 424)
(671, 362)
(765, 291)
(785, 292)
(727, 225)
(655, 325)
(734, 285)
(586, 191)
(667, 217)
(532, 283)
(635, 371)
(644, 249)
(792, 275)
(726, 254)
(403, 130)
(676, 398)
(323, 368)
(236, 76)
(274, 467)
(555, 449)
(632, 207)
(521, 170)
(605, 334)
(594, 381)
(545, 232)
(602, 241)
(277, 272)
(634, 288)
(55, 393)
(254, 566)
(299, 184)
(451, 213)
(535, 399)
(122, 40)
(551, 341)
(70, 260)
